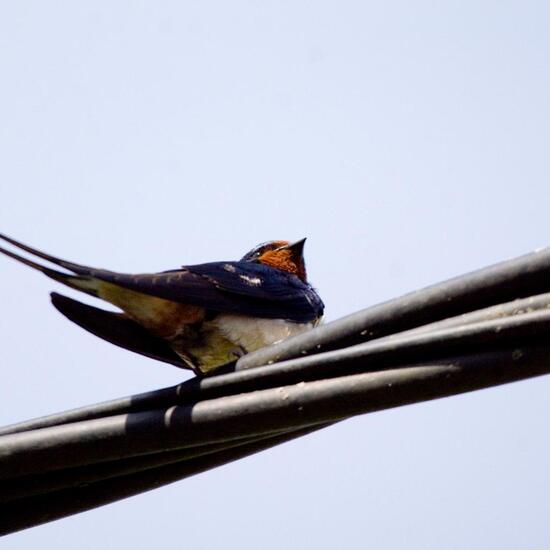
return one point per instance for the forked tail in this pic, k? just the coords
(79, 279)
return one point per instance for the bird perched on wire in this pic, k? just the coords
(200, 316)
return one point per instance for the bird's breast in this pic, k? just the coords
(252, 333)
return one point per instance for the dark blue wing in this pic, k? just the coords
(117, 329)
(242, 287)
(236, 287)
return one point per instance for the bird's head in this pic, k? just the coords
(281, 255)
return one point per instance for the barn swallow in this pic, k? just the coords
(199, 317)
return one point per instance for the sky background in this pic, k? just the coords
(407, 140)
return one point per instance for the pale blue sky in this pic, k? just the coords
(407, 140)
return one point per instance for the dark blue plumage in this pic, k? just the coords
(236, 287)
(206, 313)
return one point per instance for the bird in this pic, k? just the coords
(201, 317)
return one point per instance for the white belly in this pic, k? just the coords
(252, 333)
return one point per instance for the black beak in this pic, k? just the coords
(297, 248)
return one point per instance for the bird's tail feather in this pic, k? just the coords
(75, 268)
(89, 285)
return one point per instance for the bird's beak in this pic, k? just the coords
(297, 248)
